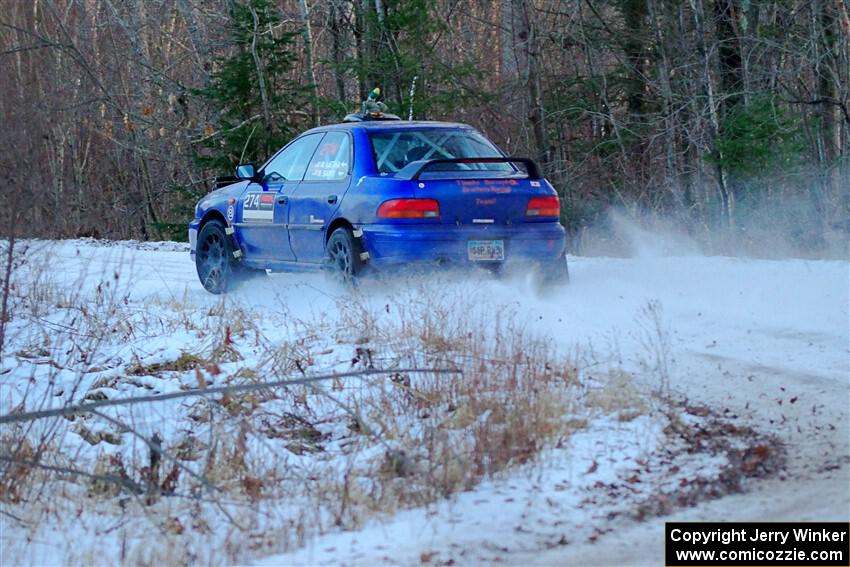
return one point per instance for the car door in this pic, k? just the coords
(318, 196)
(264, 206)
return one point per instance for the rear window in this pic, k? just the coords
(394, 150)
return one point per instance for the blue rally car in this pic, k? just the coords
(375, 194)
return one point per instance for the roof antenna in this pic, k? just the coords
(412, 92)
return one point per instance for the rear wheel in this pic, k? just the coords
(556, 272)
(344, 255)
(217, 268)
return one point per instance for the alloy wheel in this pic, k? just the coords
(212, 257)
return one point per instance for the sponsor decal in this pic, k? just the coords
(258, 207)
(327, 163)
(328, 149)
(535, 184)
(230, 213)
(329, 169)
(499, 186)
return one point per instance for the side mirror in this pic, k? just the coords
(246, 171)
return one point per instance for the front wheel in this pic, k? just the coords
(214, 258)
(344, 255)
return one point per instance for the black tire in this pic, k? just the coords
(217, 268)
(344, 255)
(556, 273)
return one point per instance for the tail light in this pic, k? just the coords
(549, 206)
(409, 209)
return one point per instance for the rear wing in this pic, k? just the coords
(414, 169)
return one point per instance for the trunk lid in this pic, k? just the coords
(489, 201)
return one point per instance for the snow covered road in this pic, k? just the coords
(764, 342)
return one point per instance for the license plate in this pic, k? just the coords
(486, 250)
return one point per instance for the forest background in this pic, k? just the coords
(730, 118)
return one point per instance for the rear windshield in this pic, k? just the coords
(394, 150)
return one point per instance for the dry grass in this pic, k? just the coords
(261, 472)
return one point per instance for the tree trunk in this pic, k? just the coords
(634, 23)
(361, 37)
(827, 70)
(729, 52)
(663, 63)
(200, 46)
(507, 41)
(825, 32)
(726, 197)
(308, 56)
(842, 10)
(334, 17)
(537, 113)
(261, 80)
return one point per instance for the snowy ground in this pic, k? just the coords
(764, 344)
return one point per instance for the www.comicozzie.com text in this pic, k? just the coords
(726, 537)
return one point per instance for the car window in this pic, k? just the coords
(291, 163)
(394, 150)
(331, 162)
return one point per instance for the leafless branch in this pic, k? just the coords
(88, 407)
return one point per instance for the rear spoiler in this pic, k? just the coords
(414, 169)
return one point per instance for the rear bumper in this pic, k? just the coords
(419, 243)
